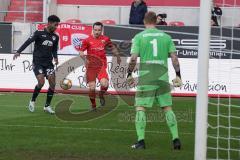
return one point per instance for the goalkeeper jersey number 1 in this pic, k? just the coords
(153, 47)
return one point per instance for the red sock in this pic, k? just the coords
(103, 90)
(92, 97)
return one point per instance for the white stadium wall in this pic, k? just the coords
(226, 70)
(189, 15)
(21, 71)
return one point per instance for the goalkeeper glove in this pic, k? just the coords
(177, 82)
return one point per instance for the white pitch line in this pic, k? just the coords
(93, 129)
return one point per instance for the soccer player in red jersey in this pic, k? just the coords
(96, 61)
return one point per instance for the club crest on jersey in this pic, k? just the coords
(40, 71)
(103, 41)
(54, 38)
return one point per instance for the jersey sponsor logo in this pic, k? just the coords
(54, 38)
(44, 35)
(47, 43)
(153, 34)
(98, 48)
(155, 62)
(193, 43)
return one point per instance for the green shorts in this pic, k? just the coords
(153, 84)
(146, 97)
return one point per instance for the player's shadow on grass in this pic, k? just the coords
(64, 113)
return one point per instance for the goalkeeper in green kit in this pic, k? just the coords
(154, 47)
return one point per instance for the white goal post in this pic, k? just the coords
(202, 89)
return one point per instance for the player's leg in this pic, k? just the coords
(144, 99)
(52, 83)
(41, 80)
(140, 124)
(103, 78)
(173, 127)
(38, 71)
(91, 74)
(92, 94)
(103, 89)
(165, 101)
(50, 74)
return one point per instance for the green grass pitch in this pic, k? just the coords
(40, 136)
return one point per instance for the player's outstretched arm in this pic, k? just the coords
(135, 50)
(82, 55)
(84, 46)
(133, 62)
(177, 82)
(116, 53)
(131, 66)
(31, 39)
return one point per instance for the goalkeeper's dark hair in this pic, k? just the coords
(53, 18)
(97, 24)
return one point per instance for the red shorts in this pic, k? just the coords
(94, 73)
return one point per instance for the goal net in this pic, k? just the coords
(218, 115)
(223, 133)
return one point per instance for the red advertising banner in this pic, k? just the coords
(70, 36)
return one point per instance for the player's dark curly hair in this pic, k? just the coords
(53, 18)
(98, 24)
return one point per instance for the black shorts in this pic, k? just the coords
(43, 69)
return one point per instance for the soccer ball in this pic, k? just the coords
(66, 84)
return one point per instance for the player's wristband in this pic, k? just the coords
(178, 74)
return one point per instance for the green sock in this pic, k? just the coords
(140, 123)
(172, 123)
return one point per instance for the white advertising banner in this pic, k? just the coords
(18, 75)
